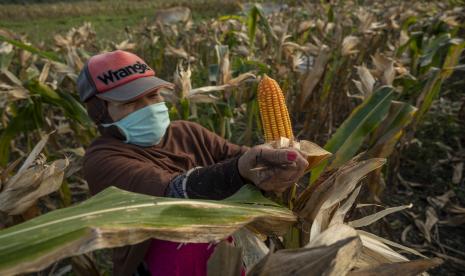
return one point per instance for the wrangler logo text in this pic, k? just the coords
(112, 76)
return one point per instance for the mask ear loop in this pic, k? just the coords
(113, 126)
(120, 129)
(97, 110)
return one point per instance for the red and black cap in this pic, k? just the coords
(117, 76)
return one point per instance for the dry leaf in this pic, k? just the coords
(410, 268)
(320, 223)
(335, 188)
(125, 45)
(204, 98)
(29, 161)
(425, 227)
(456, 209)
(226, 258)
(336, 259)
(442, 200)
(376, 252)
(367, 81)
(405, 232)
(12, 78)
(85, 265)
(384, 68)
(361, 205)
(332, 235)
(347, 181)
(408, 183)
(224, 71)
(312, 152)
(32, 184)
(45, 71)
(374, 217)
(348, 45)
(454, 220)
(311, 79)
(6, 172)
(182, 80)
(458, 173)
(391, 243)
(176, 52)
(173, 15)
(338, 217)
(231, 83)
(9, 93)
(315, 154)
(242, 78)
(403, 37)
(5, 48)
(431, 218)
(458, 219)
(253, 249)
(305, 25)
(453, 259)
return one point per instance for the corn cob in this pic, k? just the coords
(273, 110)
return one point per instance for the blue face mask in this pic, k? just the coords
(146, 126)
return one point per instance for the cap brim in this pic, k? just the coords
(134, 89)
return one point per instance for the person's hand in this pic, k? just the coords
(280, 168)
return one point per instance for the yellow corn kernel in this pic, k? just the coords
(273, 110)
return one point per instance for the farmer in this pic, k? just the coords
(141, 151)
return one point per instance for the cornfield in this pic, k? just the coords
(348, 83)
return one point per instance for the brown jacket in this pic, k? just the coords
(149, 170)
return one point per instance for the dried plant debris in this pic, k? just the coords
(34, 179)
(226, 258)
(336, 259)
(410, 268)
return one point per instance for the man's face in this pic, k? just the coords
(119, 110)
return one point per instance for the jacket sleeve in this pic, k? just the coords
(103, 170)
(217, 181)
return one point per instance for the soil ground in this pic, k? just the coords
(427, 166)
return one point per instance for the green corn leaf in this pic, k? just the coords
(385, 138)
(348, 139)
(408, 22)
(28, 118)
(115, 218)
(232, 17)
(252, 20)
(72, 108)
(435, 77)
(433, 48)
(265, 24)
(453, 57)
(65, 194)
(388, 133)
(30, 48)
(429, 92)
(5, 60)
(256, 18)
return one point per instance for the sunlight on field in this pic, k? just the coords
(110, 18)
(368, 92)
